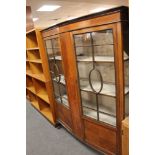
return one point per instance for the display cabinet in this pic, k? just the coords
(89, 63)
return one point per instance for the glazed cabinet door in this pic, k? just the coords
(96, 68)
(96, 53)
(53, 48)
(56, 69)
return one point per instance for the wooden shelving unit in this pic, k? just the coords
(38, 88)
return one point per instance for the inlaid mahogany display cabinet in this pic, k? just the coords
(88, 60)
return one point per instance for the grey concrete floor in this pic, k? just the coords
(45, 139)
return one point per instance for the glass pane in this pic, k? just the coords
(107, 71)
(84, 54)
(104, 50)
(57, 53)
(102, 37)
(127, 105)
(107, 119)
(56, 88)
(84, 69)
(107, 104)
(51, 65)
(48, 44)
(83, 39)
(126, 79)
(90, 113)
(88, 100)
(56, 70)
(55, 43)
(50, 53)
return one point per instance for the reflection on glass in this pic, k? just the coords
(56, 70)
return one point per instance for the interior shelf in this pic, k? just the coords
(108, 89)
(102, 117)
(33, 55)
(56, 58)
(41, 91)
(29, 84)
(33, 100)
(97, 58)
(31, 40)
(94, 45)
(39, 77)
(36, 68)
(45, 109)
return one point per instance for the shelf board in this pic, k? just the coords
(102, 117)
(30, 31)
(28, 72)
(94, 45)
(48, 114)
(44, 97)
(34, 48)
(56, 58)
(35, 104)
(40, 77)
(36, 61)
(108, 89)
(97, 58)
(31, 89)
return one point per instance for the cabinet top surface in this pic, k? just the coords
(90, 16)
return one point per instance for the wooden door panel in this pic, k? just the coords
(100, 136)
(63, 114)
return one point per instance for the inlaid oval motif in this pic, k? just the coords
(95, 80)
(56, 73)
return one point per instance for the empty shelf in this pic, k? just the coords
(47, 113)
(35, 104)
(31, 89)
(56, 58)
(44, 97)
(97, 58)
(40, 77)
(108, 89)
